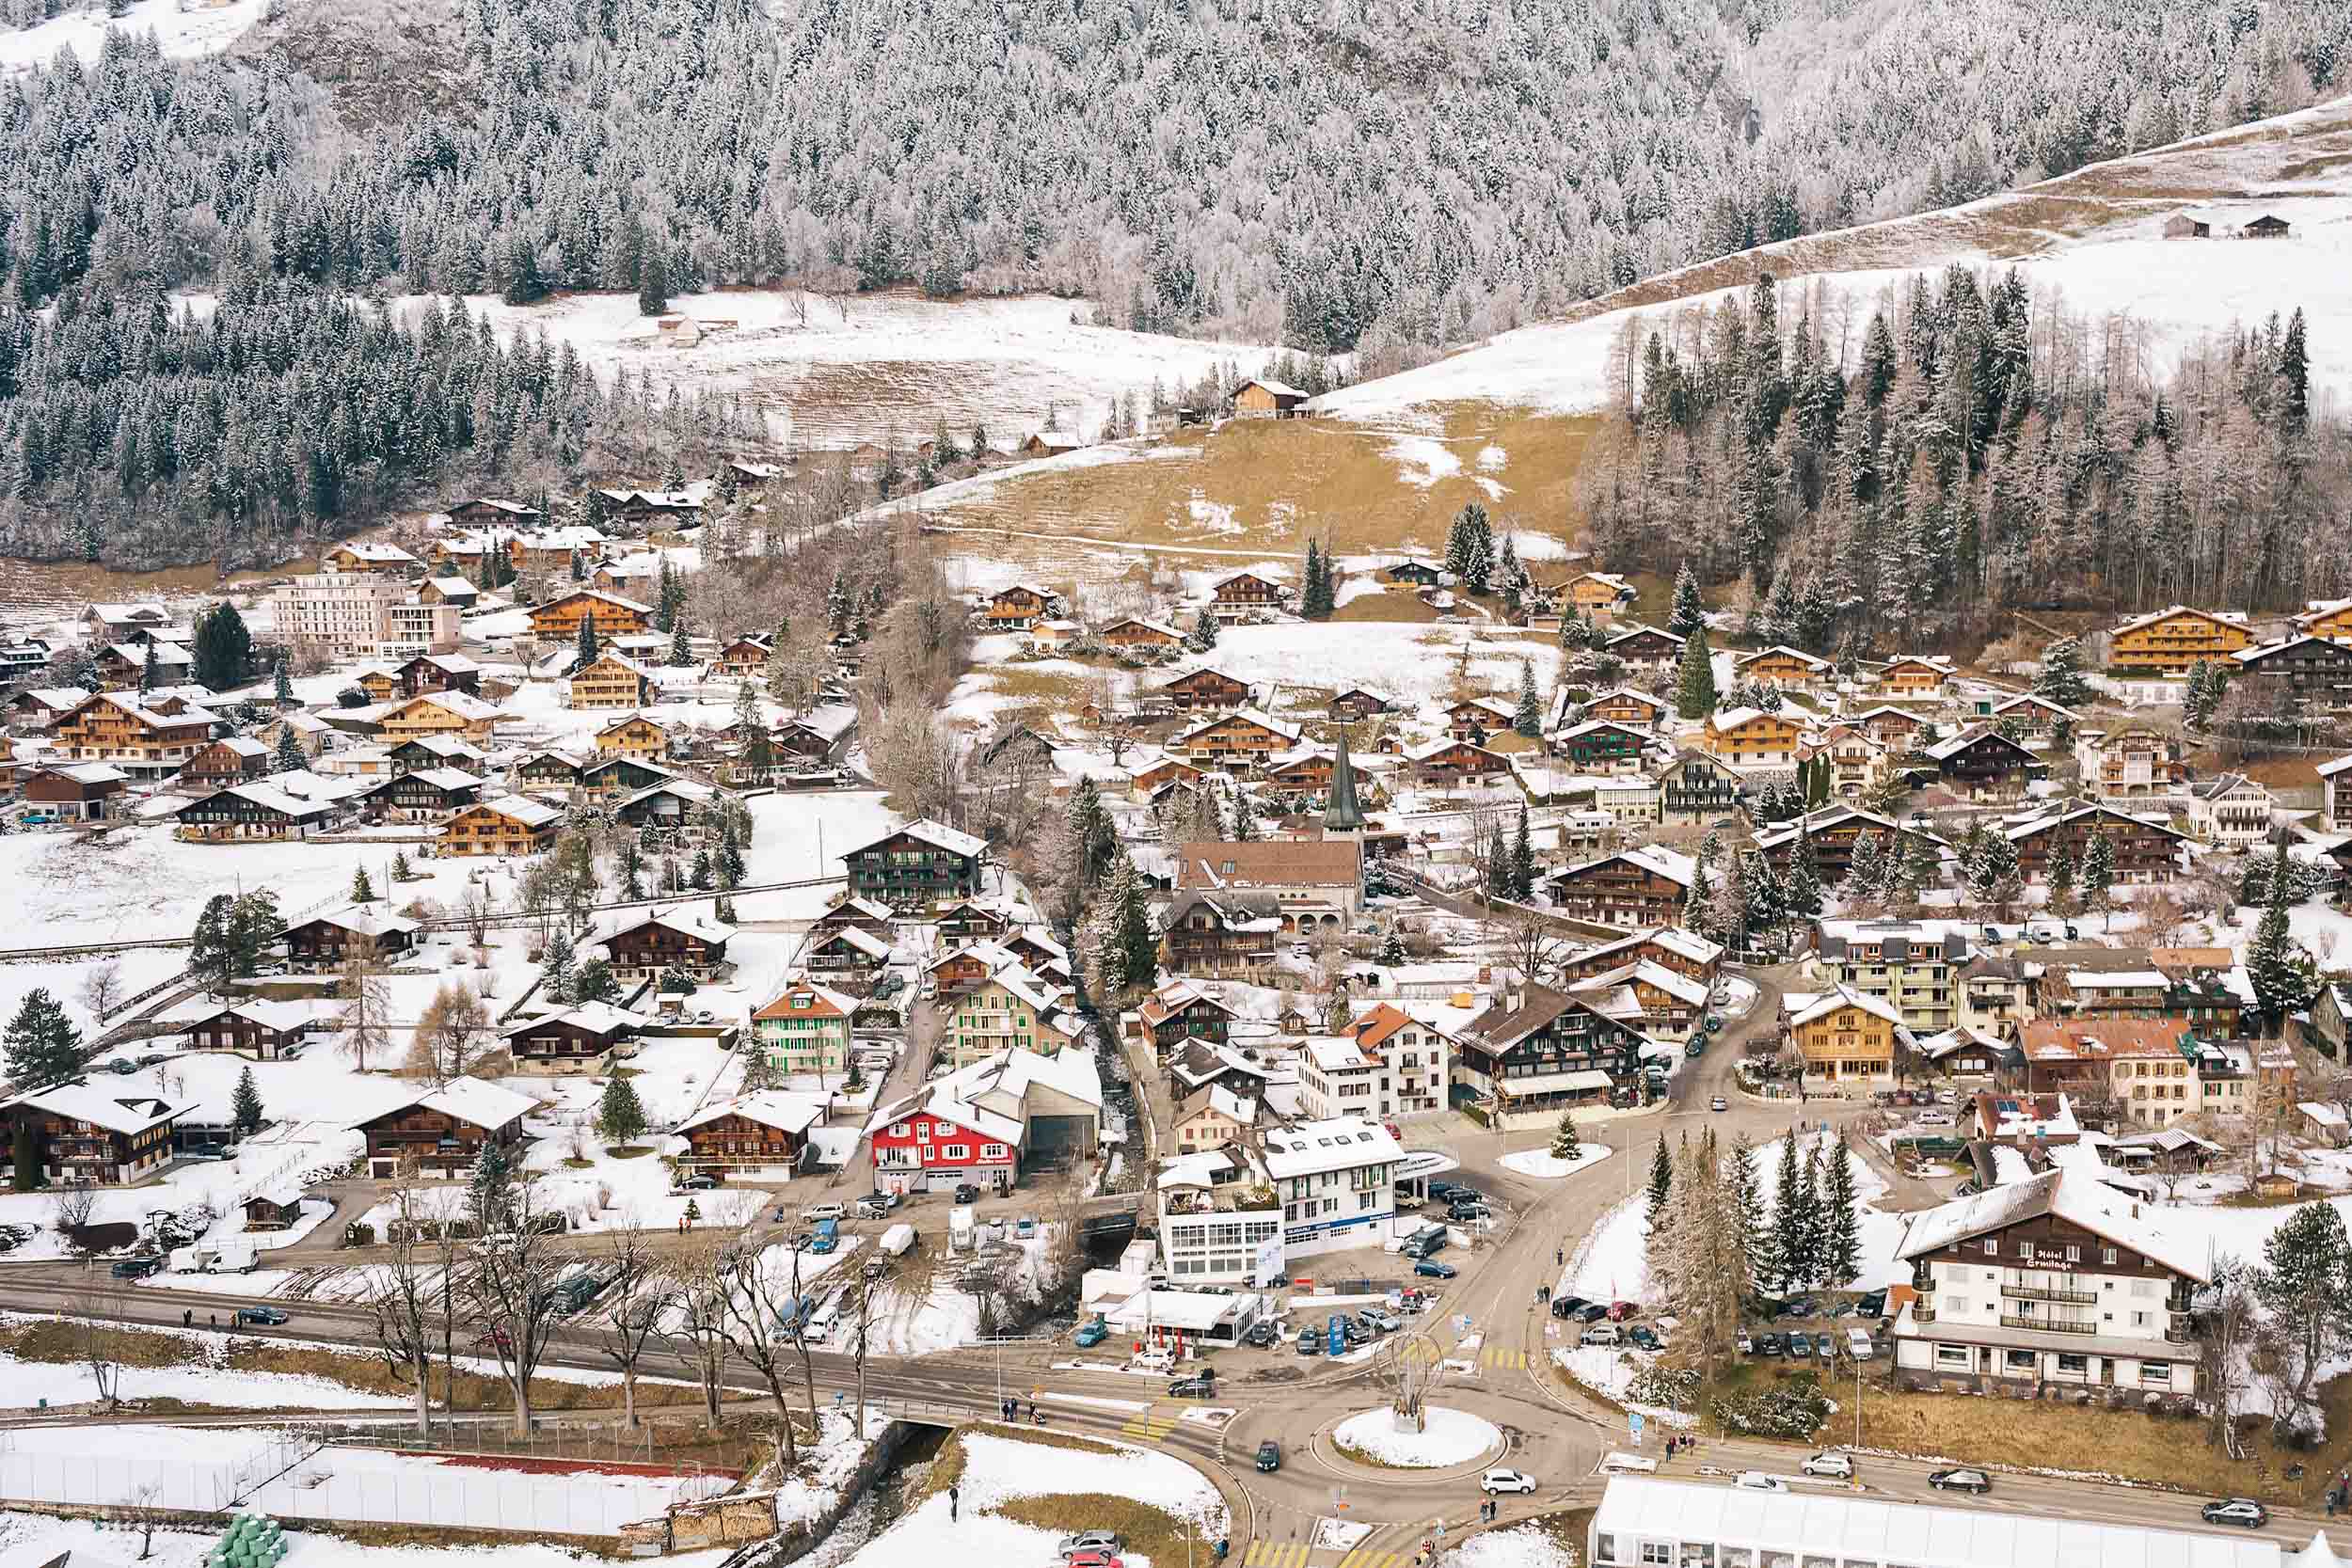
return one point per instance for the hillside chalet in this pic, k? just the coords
(442, 1132)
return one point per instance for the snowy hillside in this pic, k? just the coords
(180, 33)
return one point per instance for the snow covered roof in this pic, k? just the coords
(780, 1004)
(530, 814)
(2226, 617)
(1248, 715)
(456, 702)
(2329, 770)
(1649, 971)
(937, 834)
(361, 920)
(79, 1100)
(473, 1101)
(268, 796)
(594, 1018)
(871, 945)
(1069, 1073)
(1839, 996)
(1343, 1143)
(683, 918)
(2101, 1210)
(1784, 651)
(389, 554)
(781, 1109)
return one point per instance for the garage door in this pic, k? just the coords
(1056, 1138)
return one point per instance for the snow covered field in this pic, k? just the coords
(1521, 1546)
(999, 1469)
(182, 33)
(1543, 1163)
(41, 1538)
(1409, 663)
(1448, 1437)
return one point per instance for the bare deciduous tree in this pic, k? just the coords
(450, 1032)
(2222, 1350)
(510, 1287)
(474, 910)
(403, 1292)
(95, 1326)
(629, 1310)
(367, 1011)
(103, 991)
(696, 1326)
(761, 1308)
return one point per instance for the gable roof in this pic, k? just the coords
(1268, 863)
(2028, 829)
(781, 1109)
(1246, 715)
(1784, 651)
(473, 1100)
(778, 1005)
(937, 834)
(2062, 1195)
(1840, 996)
(2155, 615)
(79, 1100)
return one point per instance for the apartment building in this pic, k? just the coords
(2149, 1067)
(2170, 640)
(342, 615)
(1220, 1222)
(1336, 1179)
(1912, 964)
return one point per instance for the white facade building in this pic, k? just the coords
(1220, 1221)
(1336, 1179)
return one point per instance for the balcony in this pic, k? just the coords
(2048, 1326)
(2039, 1292)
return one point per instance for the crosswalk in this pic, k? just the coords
(1153, 1423)
(1501, 1358)
(1275, 1554)
(1299, 1554)
(1372, 1557)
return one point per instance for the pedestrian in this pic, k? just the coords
(953, 1498)
(188, 1318)
(212, 1318)
(1556, 1257)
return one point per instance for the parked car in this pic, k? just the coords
(1429, 1267)
(1620, 1310)
(1593, 1312)
(1601, 1334)
(1800, 1347)
(1961, 1481)
(1801, 1307)
(1262, 1333)
(1310, 1342)
(133, 1268)
(1756, 1480)
(1093, 1541)
(701, 1181)
(1719, 1104)
(2236, 1511)
(1269, 1455)
(1771, 1345)
(1838, 1466)
(260, 1317)
(824, 1211)
(1092, 1332)
(1025, 1226)
(1566, 1306)
(1496, 1482)
(1933, 1119)
(1386, 1322)
(1645, 1337)
(967, 1193)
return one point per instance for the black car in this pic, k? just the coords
(1440, 1192)
(135, 1268)
(1592, 1312)
(1262, 1333)
(1771, 1345)
(1269, 1455)
(1567, 1307)
(1961, 1481)
(1192, 1388)
(1310, 1342)
(262, 1317)
(967, 1193)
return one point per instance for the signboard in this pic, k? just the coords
(1266, 1268)
(1634, 1418)
(1337, 1344)
(1464, 1320)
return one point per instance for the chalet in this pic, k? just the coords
(464, 552)
(484, 512)
(377, 682)
(1240, 739)
(1052, 636)
(146, 740)
(249, 813)
(2264, 227)
(633, 737)
(639, 943)
(1209, 690)
(1266, 400)
(2167, 642)
(1751, 737)
(971, 920)
(123, 665)
(679, 807)
(233, 760)
(816, 736)
(1246, 593)
(559, 619)
(438, 672)
(1597, 594)
(1018, 608)
(1915, 675)
(1647, 886)
(2131, 761)
(1783, 666)
(849, 957)
(1051, 443)
(1477, 718)
(1213, 1116)
(421, 795)
(1847, 1039)
(124, 623)
(434, 751)
(1421, 574)
(86, 1133)
(1832, 835)
(1221, 933)
(1898, 730)
(1698, 786)
(586, 1038)
(1011, 1010)
(38, 708)
(443, 713)
(2145, 850)
(279, 1209)
(1626, 706)
(2327, 618)
(554, 548)
(2307, 669)
(1457, 763)
(1130, 632)
(508, 825)
(1535, 1053)
(1646, 650)
(453, 591)
(612, 680)
(966, 965)
(745, 659)
(1016, 746)
(1181, 1012)
(616, 778)
(632, 577)
(370, 935)
(2037, 721)
(849, 912)
(264, 1031)
(1151, 773)
(1304, 770)
(753, 475)
(1983, 764)
(1670, 948)
(804, 1029)
(764, 1130)
(2232, 809)
(1600, 746)
(2180, 225)
(1662, 1003)
(913, 866)
(1854, 762)
(442, 1132)
(2335, 795)
(354, 556)
(550, 769)
(76, 791)
(1357, 704)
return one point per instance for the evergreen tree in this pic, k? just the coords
(1498, 864)
(1866, 872)
(1810, 1228)
(699, 877)
(1695, 682)
(2295, 375)
(150, 669)
(2098, 872)
(288, 757)
(1840, 1248)
(1804, 881)
(1564, 1140)
(284, 693)
(42, 1046)
(587, 643)
(595, 980)
(25, 1156)
(1522, 860)
(681, 646)
(222, 652)
(621, 1116)
(244, 1104)
(1203, 634)
(2061, 679)
(1245, 820)
(400, 866)
(1662, 1176)
(1391, 949)
(555, 969)
(1687, 612)
(362, 891)
(653, 284)
(1138, 948)
(1766, 899)
(1747, 1202)
(2282, 974)
(2062, 872)
(1528, 718)
(1789, 1248)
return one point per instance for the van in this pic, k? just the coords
(1429, 1239)
(1859, 1345)
(828, 1236)
(897, 1239)
(1602, 1334)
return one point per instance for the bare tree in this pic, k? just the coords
(367, 1011)
(402, 1293)
(101, 989)
(761, 1309)
(697, 1325)
(473, 908)
(71, 1207)
(511, 1289)
(629, 1310)
(450, 1032)
(2222, 1349)
(95, 1327)
(1536, 948)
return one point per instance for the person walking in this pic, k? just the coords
(954, 1497)
(188, 1318)
(212, 1318)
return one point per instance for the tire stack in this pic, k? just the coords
(251, 1541)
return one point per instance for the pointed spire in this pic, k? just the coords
(1342, 815)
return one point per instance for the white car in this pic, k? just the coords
(1756, 1480)
(1495, 1481)
(1838, 1466)
(1935, 1119)
(824, 1211)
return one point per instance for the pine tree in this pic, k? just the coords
(284, 693)
(2062, 875)
(587, 642)
(1694, 682)
(2282, 974)
(221, 655)
(1662, 1176)
(362, 891)
(1138, 948)
(42, 1046)
(1747, 1201)
(653, 284)
(1687, 612)
(1391, 949)
(2061, 679)
(2295, 375)
(1528, 718)
(1840, 1248)
(682, 645)
(150, 669)
(1522, 860)
(1805, 879)
(244, 1105)
(1865, 873)
(288, 758)
(2098, 872)
(1245, 820)
(699, 877)
(1498, 864)
(400, 866)
(621, 1116)
(1809, 1225)
(1788, 1251)
(1309, 602)
(1203, 635)
(555, 969)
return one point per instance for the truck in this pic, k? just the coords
(230, 1256)
(961, 1233)
(828, 1236)
(897, 1240)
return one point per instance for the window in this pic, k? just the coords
(1661, 1553)
(2107, 1255)
(1991, 1247)
(1605, 1548)
(2156, 1374)
(1955, 1303)
(2073, 1366)
(1961, 1356)
(955, 1152)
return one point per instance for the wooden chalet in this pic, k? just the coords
(849, 957)
(1179, 1013)
(1129, 631)
(1457, 763)
(264, 1031)
(2130, 760)
(508, 825)
(1222, 933)
(76, 791)
(421, 795)
(2307, 669)
(1421, 574)
(1783, 666)
(1832, 835)
(443, 713)
(916, 865)
(2145, 850)
(231, 760)
(745, 659)
(370, 934)
(250, 813)
(1915, 675)
(1595, 593)
(354, 556)
(1647, 886)
(766, 1130)
(587, 1037)
(1357, 704)
(147, 739)
(1983, 764)
(449, 591)
(676, 806)
(1749, 737)
(1206, 691)
(1304, 770)
(2167, 642)
(1600, 746)
(1535, 1053)
(1246, 593)
(633, 737)
(1630, 706)
(1672, 947)
(441, 1132)
(1241, 739)
(434, 751)
(438, 672)
(611, 680)
(1899, 730)
(121, 665)
(550, 769)
(1476, 719)
(1646, 650)
(558, 620)
(965, 920)
(1018, 608)
(485, 512)
(38, 708)
(82, 1131)
(1262, 399)
(616, 778)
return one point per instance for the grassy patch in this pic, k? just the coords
(1052, 688)
(1154, 1532)
(1389, 604)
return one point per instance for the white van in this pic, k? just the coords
(1859, 1345)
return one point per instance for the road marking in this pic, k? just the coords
(1275, 1554)
(1153, 1423)
(1361, 1558)
(1500, 1357)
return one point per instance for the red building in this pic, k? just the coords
(934, 1142)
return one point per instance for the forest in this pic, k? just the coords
(1976, 458)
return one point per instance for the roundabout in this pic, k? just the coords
(1451, 1442)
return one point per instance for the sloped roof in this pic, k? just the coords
(79, 1100)
(473, 1100)
(2099, 1210)
(781, 1109)
(1840, 996)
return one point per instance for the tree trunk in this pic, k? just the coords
(629, 1395)
(424, 1395)
(521, 1384)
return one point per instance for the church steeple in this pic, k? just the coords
(1343, 817)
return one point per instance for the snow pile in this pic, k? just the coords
(1447, 1437)
(1543, 1163)
(1521, 1546)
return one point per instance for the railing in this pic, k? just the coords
(2054, 1325)
(2042, 1292)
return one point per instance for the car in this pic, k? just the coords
(1269, 1455)
(1494, 1483)
(133, 1268)
(1193, 1388)
(1745, 1343)
(1961, 1481)
(1566, 1306)
(1092, 1332)
(1262, 1333)
(1093, 1541)
(1828, 1463)
(1800, 1347)
(1756, 1480)
(1353, 1332)
(1803, 1307)
(1025, 1226)
(1462, 1211)
(1429, 1267)
(1310, 1342)
(1620, 1310)
(1719, 1104)
(1601, 1334)
(871, 1209)
(2236, 1511)
(260, 1317)
(1933, 1119)
(1094, 1559)
(1442, 1191)
(824, 1211)
(1593, 1312)
(1386, 1322)
(1645, 1337)
(702, 1182)
(1771, 1345)
(967, 1193)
